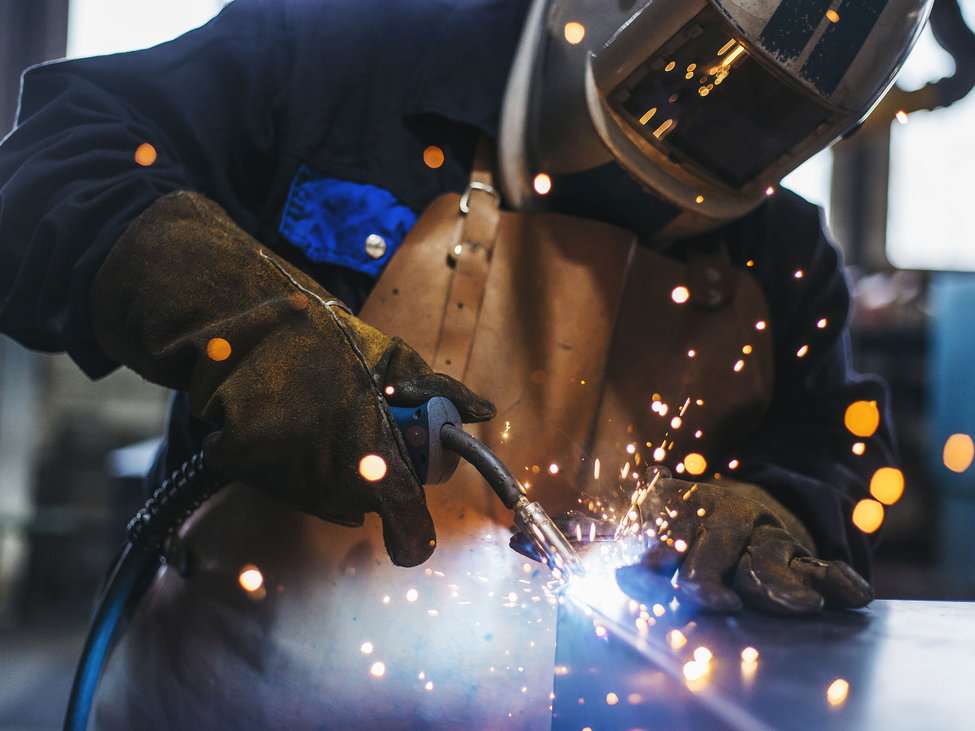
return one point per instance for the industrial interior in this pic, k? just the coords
(895, 195)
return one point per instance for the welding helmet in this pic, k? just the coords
(706, 103)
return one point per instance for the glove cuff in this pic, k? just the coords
(182, 274)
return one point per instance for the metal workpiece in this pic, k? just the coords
(536, 525)
(894, 665)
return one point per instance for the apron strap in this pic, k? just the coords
(471, 258)
(711, 278)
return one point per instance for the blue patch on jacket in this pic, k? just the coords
(330, 220)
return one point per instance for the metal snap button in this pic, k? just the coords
(375, 246)
(711, 275)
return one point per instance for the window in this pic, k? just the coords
(930, 220)
(813, 179)
(98, 27)
(932, 165)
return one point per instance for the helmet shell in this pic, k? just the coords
(797, 75)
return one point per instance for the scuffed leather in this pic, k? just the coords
(301, 399)
(730, 550)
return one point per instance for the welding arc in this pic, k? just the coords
(486, 462)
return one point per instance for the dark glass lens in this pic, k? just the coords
(702, 99)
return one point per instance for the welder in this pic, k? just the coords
(562, 215)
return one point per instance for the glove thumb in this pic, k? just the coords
(408, 530)
(410, 540)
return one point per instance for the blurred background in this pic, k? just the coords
(898, 195)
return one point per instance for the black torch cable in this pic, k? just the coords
(487, 463)
(162, 516)
(531, 518)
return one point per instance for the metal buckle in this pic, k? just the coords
(464, 199)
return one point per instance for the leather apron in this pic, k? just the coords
(589, 345)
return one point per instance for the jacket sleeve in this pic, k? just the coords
(802, 453)
(209, 103)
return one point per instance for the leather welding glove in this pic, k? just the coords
(297, 385)
(731, 546)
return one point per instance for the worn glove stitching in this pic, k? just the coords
(328, 308)
(380, 399)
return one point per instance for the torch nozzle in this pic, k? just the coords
(531, 519)
(549, 541)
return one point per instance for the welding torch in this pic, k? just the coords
(435, 442)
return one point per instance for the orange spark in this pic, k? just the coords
(218, 349)
(862, 418)
(868, 515)
(145, 154)
(372, 467)
(433, 157)
(887, 485)
(959, 452)
(574, 32)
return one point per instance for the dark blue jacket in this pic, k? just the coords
(278, 103)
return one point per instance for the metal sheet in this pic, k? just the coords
(908, 666)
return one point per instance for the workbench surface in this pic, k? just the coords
(908, 665)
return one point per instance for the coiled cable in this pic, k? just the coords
(164, 513)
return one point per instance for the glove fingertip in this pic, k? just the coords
(661, 559)
(856, 593)
(710, 597)
(472, 408)
(408, 550)
(408, 529)
(774, 594)
(842, 586)
(789, 600)
(643, 585)
(478, 409)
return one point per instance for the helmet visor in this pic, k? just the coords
(706, 103)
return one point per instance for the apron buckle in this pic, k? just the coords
(473, 185)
